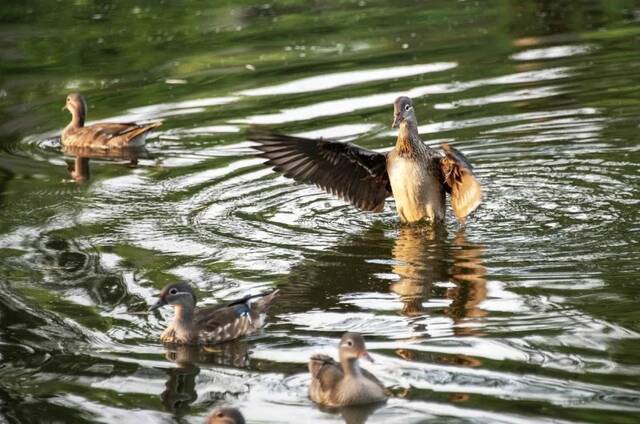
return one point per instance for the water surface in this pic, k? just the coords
(529, 313)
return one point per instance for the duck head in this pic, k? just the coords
(403, 112)
(226, 416)
(352, 347)
(77, 106)
(176, 294)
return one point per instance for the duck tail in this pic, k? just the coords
(263, 303)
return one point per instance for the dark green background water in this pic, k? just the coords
(528, 314)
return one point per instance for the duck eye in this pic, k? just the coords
(349, 343)
(173, 291)
(407, 107)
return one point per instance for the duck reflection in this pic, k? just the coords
(80, 170)
(423, 256)
(354, 414)
(423, 259)
(232, 354)
(180, 388)
(420, 259)
(469, 275)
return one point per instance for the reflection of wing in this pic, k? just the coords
(461, 182)
(107, 135)
(325, 374)
(356, 174)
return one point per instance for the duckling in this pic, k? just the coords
(213, 324)
(226, 416)
(340, 384)
(105, 135)
(413, 173)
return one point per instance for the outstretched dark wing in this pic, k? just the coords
(357, 175)
(461, 182)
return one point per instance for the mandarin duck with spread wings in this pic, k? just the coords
(413, 173)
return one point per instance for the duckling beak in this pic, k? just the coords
(365, 355)
(64, 107)
(159, 304)
(397, 118)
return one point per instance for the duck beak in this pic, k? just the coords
(64, 107)
(159, 304)
(365, 355)
(397, 118)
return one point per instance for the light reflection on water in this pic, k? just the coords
(523, 315)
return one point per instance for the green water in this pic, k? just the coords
(527, 314)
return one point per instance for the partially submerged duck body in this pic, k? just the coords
(212, 324)
(344, 383)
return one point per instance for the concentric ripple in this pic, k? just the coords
(525, 314)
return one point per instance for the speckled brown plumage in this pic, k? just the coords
(105, 135)
(212, 324)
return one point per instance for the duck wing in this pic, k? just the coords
(460, 181)
(216, 324)
(106, 135)
(325, 373)
(227, 322)
(261, 303)
(353, 173)
(374, 379)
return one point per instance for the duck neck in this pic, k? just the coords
(350, 366)
(77, 119)
(184, 318)
(408, 142)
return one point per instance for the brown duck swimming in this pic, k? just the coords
(213, 324)
(413, 173)
(336, 384)
(226, 416)
(105, 135)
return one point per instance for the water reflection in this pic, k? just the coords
(543, 96)
(80, 169)
(420, 261)
(233, 354)
(424, 260)
(180, 388)
(354, 414)
(424, 257)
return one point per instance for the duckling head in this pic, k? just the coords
(226, 416)
(352, 347)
